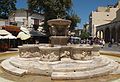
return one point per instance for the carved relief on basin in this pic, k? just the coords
(47, 53)
(44, 53)
(82, 53)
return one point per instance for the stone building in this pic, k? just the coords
(24, 17)
(76, 32)
(4, 22)
(110, 31)
(102, 16)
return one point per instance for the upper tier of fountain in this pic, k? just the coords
(59, 22)
(59, 31)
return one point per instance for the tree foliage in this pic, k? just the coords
(84, 35)
(74, 19)
(53, 9)
(6, 7)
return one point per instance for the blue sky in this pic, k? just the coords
(81, 7)
(21, 4)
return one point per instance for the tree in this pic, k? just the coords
(59, 7)
(52, 9)
(84, 35)
(74, 19)
(6, 7)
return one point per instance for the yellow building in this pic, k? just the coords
(111, 31)
(103, 15)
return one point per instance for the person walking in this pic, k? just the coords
(103, 42)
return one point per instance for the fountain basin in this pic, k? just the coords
(48, 53)
(82, 53)
(60, 62)
(45, 53)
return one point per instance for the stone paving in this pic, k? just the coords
(113, 48)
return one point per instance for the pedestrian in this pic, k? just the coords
(103, 42)
(110, 44)
(112, 40)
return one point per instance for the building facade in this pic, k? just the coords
(110, 31)
(24, 17)
(4, 22)
(103, 15)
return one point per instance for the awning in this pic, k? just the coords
(4, 32)
(11, 28)
(24, 29)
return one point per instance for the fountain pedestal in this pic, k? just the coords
(59, 40)
(59, 31)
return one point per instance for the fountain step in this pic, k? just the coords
(85, 74)
(10, 68)
(117, 71)
(57, 66)
(81, 66)
(64, 66)
(64, 70)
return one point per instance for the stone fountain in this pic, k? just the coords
(60, 61)
(59, 31)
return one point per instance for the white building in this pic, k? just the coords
(24, 17)
(4, 22)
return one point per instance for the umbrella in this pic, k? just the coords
(23, 36)
(24, 29)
